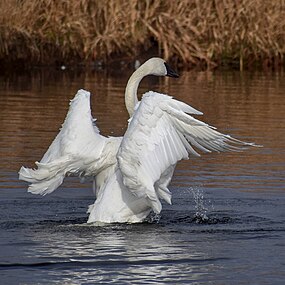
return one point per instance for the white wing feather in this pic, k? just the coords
(77, 149)
(161, 133)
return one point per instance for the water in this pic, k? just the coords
(226, 224)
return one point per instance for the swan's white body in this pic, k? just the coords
(132, 172)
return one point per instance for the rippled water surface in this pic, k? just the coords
(226, 224)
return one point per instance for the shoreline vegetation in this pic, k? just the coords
(190, 33)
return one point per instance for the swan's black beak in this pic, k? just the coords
(170, 71)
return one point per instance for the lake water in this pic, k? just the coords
(227, 221)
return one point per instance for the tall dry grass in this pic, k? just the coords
(192, 32)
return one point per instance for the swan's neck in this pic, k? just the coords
(131, 98)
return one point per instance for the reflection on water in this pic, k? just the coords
(226, 207)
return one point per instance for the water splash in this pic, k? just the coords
(201, 208)
(153, 218)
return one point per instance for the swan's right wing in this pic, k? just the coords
(77, 149)
(161, 133)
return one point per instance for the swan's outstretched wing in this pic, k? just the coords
(77, 149)
(160, 133)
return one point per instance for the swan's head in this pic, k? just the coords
(157, 66)
(154, 66)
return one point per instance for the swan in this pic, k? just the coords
(131, 174)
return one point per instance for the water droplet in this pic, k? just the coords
(201, 209)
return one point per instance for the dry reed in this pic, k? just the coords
(192, 32)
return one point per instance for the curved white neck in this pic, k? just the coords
(131, 98)
(154, 66)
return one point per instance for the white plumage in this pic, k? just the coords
(132, 172)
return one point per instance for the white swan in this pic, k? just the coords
(132, 172)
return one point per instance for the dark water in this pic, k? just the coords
(226, 224)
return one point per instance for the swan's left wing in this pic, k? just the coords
(77, 149)
(161, 133)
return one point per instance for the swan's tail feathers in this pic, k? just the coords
(40, 186)
(44, 180)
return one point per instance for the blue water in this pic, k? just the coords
(227, 221)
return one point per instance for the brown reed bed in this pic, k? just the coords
(205, 33)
